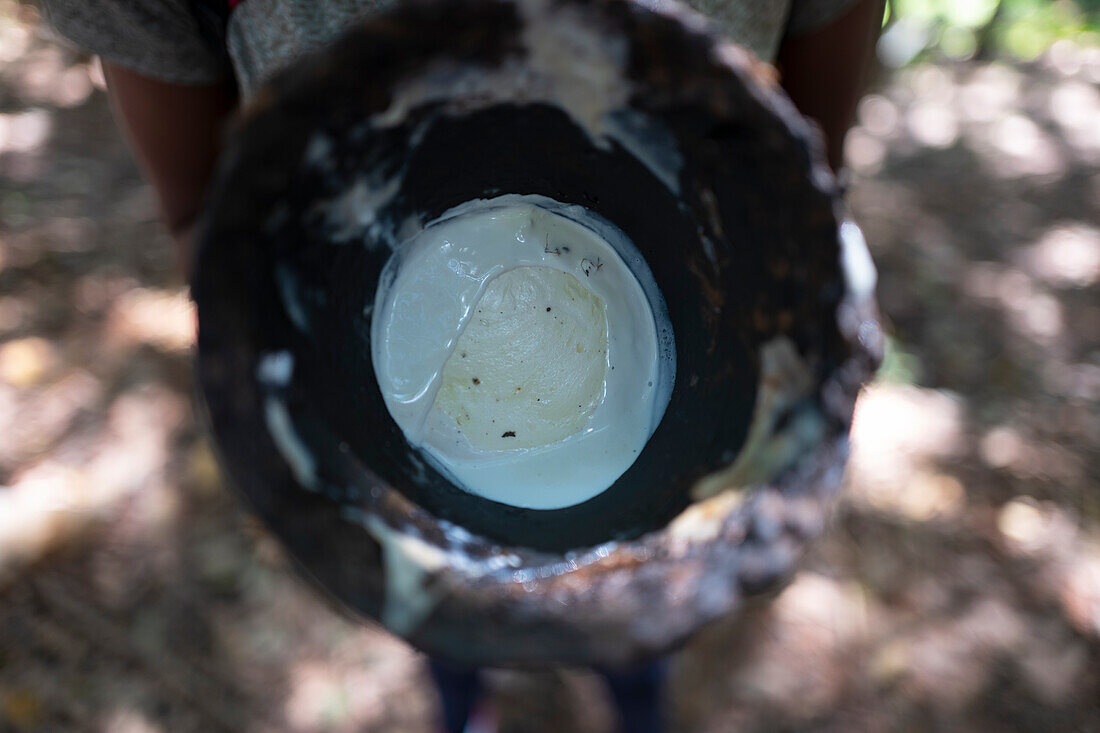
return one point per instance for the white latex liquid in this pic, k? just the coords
(519, 351)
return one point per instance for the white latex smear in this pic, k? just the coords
(428, 295)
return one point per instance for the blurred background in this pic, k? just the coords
(959, 586)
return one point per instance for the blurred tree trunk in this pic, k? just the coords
(985, 43)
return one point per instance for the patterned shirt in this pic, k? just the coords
(162, 38)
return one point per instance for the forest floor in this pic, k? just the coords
(958, 588)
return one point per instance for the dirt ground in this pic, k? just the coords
(957, 589)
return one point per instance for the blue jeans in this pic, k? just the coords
(636, 694)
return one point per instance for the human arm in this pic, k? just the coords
(824, 71)
(175, 133)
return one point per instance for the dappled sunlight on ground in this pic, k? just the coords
(958, 587)
(1066, 256)
(164, 319)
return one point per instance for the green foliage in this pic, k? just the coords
(898, 365)
(959, 29)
